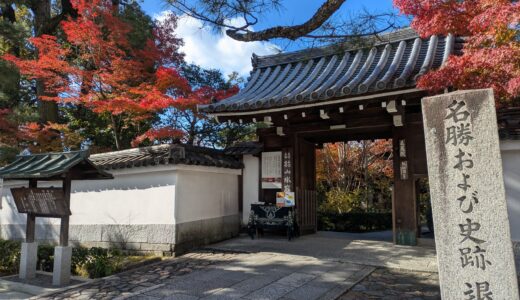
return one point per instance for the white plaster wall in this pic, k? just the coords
(138, 198)
(8, 213)
(510, 151)
(206, 193)
(134, 196)
(251, 183)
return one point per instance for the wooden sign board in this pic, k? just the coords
(41, 202)
(272, 170)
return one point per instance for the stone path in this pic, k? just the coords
(392, 284)
(226, 275)
(10, 295)
(40, 280)
(341, 247)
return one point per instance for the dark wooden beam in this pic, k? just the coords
(413, 102)
(30, 228)
(404, 205)
(64, 225)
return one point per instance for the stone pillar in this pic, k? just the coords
(62, 263)
(472, 237)
(28, 259)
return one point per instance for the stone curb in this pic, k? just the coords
(38, 291)
(24, 287)
(226, 250)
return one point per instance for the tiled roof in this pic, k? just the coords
(251, 148)
(52, 165)
(394, 62)
(163, 155)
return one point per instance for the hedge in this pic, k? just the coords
(9, 256)
(88, 262)
(354, 222)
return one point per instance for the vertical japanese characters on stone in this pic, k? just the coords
(471, 224)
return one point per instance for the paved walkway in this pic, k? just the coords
(10, 295)
(341, 247)
(217, 275)
(392, 284)
(321, 266)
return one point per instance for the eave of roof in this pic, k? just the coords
(165, 155)
(244, 148)
(48, 166)
(337, 73)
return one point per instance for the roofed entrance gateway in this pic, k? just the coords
(343, 93)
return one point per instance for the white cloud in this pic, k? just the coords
(208, 49)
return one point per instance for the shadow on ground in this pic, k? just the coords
(364, 249)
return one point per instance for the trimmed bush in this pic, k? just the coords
(354, 222)
(9, 256)
(93, 263)
(45, 257)
(98, 262)
(79, 256)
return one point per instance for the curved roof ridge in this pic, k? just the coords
(331, 49)
(134, 151)
(391, 62)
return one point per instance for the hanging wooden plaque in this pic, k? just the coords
(41, 202)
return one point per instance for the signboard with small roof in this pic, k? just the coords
(48, 202)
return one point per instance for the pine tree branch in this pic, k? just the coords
(290, 32)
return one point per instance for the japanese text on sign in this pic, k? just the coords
(472, 252)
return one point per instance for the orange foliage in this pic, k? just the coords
(491, 56)
(8, 129)
(50, 137)
(158, 134)
(95, 66)
(346, 165)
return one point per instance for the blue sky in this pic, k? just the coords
(212, 50)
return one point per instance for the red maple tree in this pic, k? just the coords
(491, 55)
(94, 65)
(8, 129)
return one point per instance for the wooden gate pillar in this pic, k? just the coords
(404, 210)
(304, 167)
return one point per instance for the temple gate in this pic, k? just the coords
(340, 93)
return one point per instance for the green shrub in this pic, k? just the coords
(338, 201)
(79, 256)
(45, 257)
(97, 262)
(9, 256)
(93, 263)
(354, 222)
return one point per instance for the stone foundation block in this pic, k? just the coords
(28, 259)
(62, 262)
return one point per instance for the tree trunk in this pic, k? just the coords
(48, 110)
(115, 132)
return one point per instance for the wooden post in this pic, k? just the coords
(30, 228)
(240, 193)
(64, 226)
(404, 203)
(305, 183)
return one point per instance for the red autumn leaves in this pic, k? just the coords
(491, 54)
(93, 64)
